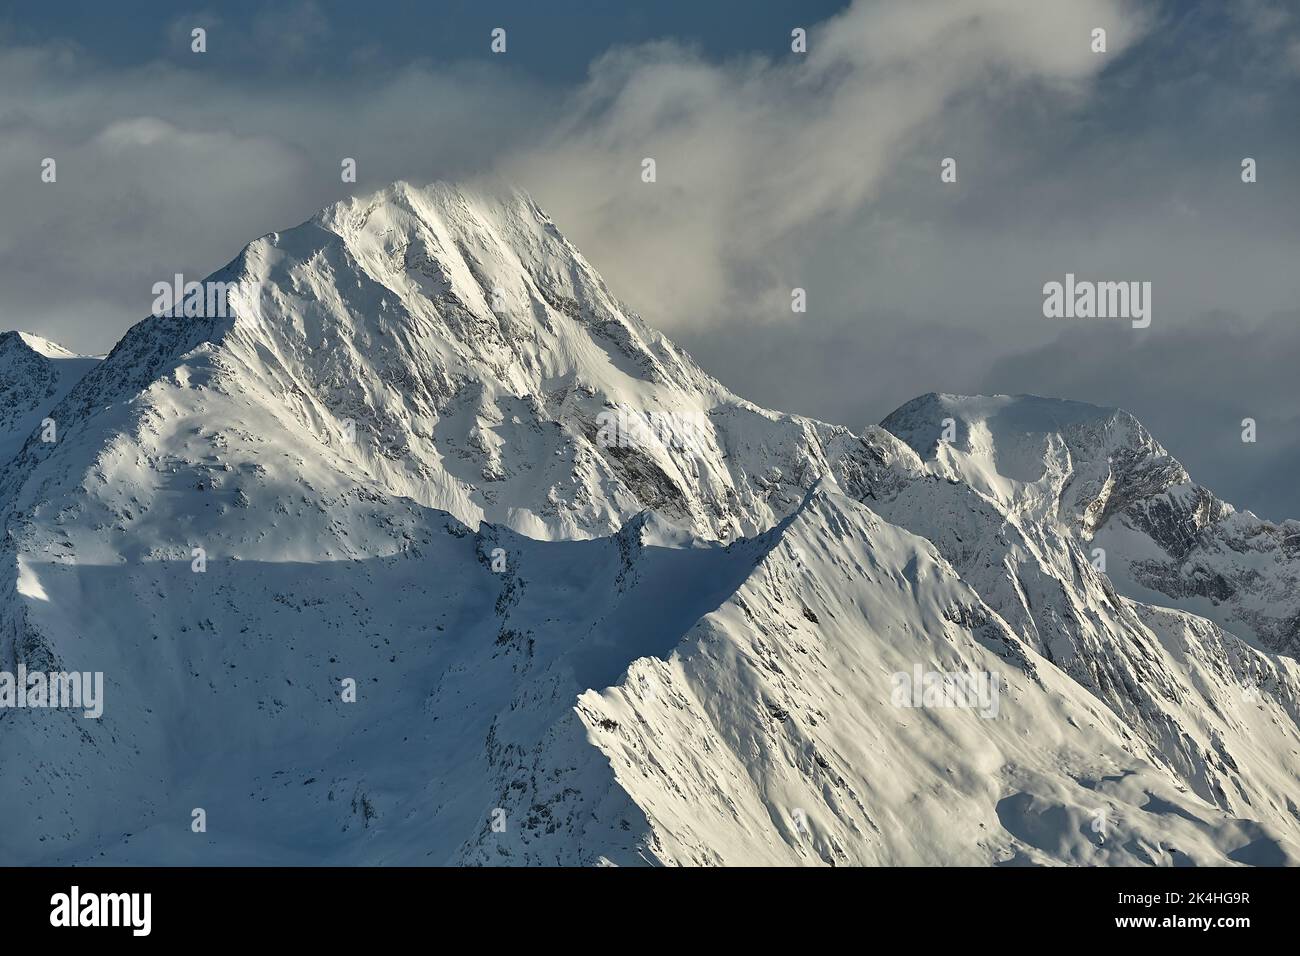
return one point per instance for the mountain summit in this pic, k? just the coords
(424, 548)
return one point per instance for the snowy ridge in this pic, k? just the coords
(779, 702)
(1100, 476)
(659, 651)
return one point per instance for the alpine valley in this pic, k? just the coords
(385, 467)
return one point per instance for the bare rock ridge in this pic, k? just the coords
(579, 582)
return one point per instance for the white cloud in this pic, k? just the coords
(751, 151)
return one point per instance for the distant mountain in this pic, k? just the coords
(597, 608)
(35, 375)
(1099, 473)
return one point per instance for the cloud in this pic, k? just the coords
(172, 165)
(750, 152)
(164, 168)
(293, 31)
(278, 36)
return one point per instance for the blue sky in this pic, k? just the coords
(775, 171)
(554, 40)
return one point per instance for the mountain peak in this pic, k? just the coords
(1051, 456)
(38, 344)
(448, 345)
(35, 374)
(920, 421)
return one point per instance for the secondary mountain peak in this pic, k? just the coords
(35, 375)
(1099, 475)
(37, 344)
(1072, 459)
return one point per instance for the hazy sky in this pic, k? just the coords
(775, 170)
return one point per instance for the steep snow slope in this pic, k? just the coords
(745, 688)
(1100, 476)
(226, 694)
(35, 375)
(768, 735)
(630, 688)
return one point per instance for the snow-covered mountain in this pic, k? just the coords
(598, 608)
(1098, 472)
(35, 375)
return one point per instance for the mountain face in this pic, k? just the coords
(425, 549)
